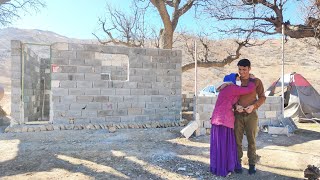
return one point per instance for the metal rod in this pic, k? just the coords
(50, 86)
(195, 83)
(195, 69)
(22, 82)
(43, 95)
(282, 72)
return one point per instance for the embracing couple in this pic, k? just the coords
(240, 95)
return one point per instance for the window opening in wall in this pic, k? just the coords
(115, 67)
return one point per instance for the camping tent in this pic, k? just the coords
(301, 102)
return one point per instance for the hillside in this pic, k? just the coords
(300, 57)
(25, 35)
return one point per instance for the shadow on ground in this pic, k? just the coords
(126, 154)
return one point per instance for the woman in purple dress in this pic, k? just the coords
(223, 147)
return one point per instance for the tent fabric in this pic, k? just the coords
(212, 89)
(301, 99)
(298, 80)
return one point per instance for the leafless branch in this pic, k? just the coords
(229, 59)
(262, 13)
(9, 9)
(177, 8)
(129, 29)
(155, 38)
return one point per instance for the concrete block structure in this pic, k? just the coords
(187, 101)
(96, 84)
(269, 113)
(31, 84)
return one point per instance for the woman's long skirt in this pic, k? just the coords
(223, 151)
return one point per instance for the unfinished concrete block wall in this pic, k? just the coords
(268, 113)
(146, 87)
(187, 101)
(45, 86)
(31, 85)
(27, 88)
(17, 110)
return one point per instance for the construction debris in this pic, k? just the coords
(278, 130)
(189, 129)
(50, 127)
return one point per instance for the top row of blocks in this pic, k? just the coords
(107, 49)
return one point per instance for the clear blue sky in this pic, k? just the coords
(71, 18)
(79, 18)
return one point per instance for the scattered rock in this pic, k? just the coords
(37, 129)
(56, 127)
(24, 129)
(81, 126)
(148, 125)
(43, 128)
(30, 129)
(69, 126)
(96, 126)
(153, 124)
(62, 127)
(118, 126)
(7, 130)
(90, 126)
(130, 126)
(112, 129)
(49, 127)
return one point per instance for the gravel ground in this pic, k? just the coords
(145, 154)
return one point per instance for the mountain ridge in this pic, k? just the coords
(300, 57)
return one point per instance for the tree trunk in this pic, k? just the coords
(166, 39)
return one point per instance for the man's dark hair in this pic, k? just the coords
(244, 63)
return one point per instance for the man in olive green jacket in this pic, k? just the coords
(246, 115)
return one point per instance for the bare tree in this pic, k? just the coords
(248, 19)
(207, 60)
(178, 8)
(124, 29)
(267, 16)
(204, 46)
(9, 9)
(155, 38)
(311, 11)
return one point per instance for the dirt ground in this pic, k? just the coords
(145, 154)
